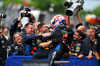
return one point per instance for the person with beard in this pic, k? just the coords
(76, 46)
(59, 33)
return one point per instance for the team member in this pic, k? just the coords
(29, 45)
(3, 48)
(15, 27)
(44, 46)
(59, 24)
(90, 46)
(76, 46)
(16, 49)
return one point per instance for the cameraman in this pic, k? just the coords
(2, 16)
(15, 27)
(3, 48)
(29, 15)
(3, 44)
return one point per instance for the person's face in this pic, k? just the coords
(18, 38)
(5, 31)
(92, 33)
(30, 29)
(44, 29)
(19, 24)
(76, 36)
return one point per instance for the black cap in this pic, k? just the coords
(79, 24)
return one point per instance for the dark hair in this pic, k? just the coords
(50, 27)
(40, 25)
(79, 24)
(80, 33)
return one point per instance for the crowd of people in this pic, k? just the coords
(53, 42)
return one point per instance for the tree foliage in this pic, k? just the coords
(7, 2)
(96, 11)
(82, 12)
(41, 4)
(45, 5)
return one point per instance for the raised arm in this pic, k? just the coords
(68, 21)
(79, 19)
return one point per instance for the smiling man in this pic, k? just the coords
(76, 45)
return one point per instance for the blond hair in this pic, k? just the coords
(15, 34)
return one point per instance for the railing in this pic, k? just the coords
(74, 61)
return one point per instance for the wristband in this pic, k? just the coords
(90, 52)
(40, 34)
(41, 44)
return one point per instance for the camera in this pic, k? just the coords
(26, 14)
(68, 4)
(2, 15)
(73, 8)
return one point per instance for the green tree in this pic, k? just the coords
(7, 2)
(96, 11)
(83, 12)
(45, 5)
(41, 4)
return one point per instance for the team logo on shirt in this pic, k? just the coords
(95, 42)
(38, 40)
(77, 47)
(16, 47)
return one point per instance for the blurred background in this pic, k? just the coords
(44, 10)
